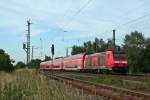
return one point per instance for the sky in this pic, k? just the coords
(65, 23)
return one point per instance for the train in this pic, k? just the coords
(104, 62)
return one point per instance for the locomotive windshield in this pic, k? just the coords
(120, 55)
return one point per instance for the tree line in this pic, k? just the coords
(34, 63)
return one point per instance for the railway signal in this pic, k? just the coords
(52, 49)
(114, 38)
(24, 46)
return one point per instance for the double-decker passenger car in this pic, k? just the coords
(75, 62)
(45, 65)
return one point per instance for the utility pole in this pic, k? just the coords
(33, 47)
(114, 38)
(32, 51)
(67, 51)
(26, 46)
(41, 48)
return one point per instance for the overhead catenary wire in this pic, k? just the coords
(116, 27)
(75, 15)
(134, 9)
(78, 12)
(131, 21)
(124, 24)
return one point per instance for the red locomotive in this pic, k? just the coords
(101, 62)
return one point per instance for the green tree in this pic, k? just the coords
(134, 44)
(20, 64)
(5, 62)
(88, 47)
(35, 63)
(47, 58)
(110, 44)
(145, 57)
(103, 45)
(77, 50)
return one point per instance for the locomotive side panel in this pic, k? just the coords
(95, 61)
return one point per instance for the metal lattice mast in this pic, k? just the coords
(28, 42)
(26, 45)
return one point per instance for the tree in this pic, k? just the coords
(134, 40)
(35, 63)
(90, 47)
(147, 43)
(145, 57)
(20, 64)
(110, 44)
(103, 45)
(77, 50)
(5, 62)
(134, 44)
(47, 58)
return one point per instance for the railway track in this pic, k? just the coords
(114, 93)
(133, 77)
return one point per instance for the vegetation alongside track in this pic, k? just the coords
(114, 93)
(129, 84)
(29, 85)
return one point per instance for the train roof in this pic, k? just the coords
(75, 56)
(46, 62)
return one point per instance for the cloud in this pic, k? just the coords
(49, 18)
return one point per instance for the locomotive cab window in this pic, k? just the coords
(120, 55)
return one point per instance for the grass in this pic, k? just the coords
(106, 80)
(139, 86)
(29, 85)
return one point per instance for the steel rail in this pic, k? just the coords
(132, 77)
(114, 93)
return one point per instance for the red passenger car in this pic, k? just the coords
(57, 64)
(75, 62)
(45, 65)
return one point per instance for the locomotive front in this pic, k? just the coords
(120, 62)
(117, 61)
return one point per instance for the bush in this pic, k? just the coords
(5, 62)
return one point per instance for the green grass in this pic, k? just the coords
(30, 85)
(118, 82)
(106, 80)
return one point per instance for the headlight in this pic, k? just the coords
(124, 62)
(116, 62)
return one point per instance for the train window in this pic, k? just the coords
(99, 60)
(108, 56)
(102, 60)
(120, 55)
(89, 61)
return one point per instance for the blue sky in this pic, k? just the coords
(51, 18)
